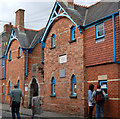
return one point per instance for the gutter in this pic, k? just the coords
(5, 57)
(114, 45)
(43, 46)
(87, 25)
(27, 63)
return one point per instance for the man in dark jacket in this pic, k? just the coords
(15, 100)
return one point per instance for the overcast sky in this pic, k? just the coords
(37, 12)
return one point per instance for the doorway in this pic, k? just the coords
(34, 91)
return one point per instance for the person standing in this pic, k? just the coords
(99, 97)
(15, 100)
(37, 101)
(90, 100)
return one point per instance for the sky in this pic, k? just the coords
(37, 12)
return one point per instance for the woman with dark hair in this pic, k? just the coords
(90, 100)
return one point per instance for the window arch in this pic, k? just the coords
(72, 33)
(74, 85)
(53, 40)
(53, 86)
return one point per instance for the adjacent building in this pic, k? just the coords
(20, 54)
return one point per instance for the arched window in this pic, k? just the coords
(53, 40)
(72, 33)
(74, 85)
(53, 86)
(10, 56)
(9, 88)
(3, 61)
(19, 52)
(18, 83)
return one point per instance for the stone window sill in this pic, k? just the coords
(52, 95)
(9, 60)
(52, 48)
(72, 41)
(73, 96)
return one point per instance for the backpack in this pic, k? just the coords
(99, 97)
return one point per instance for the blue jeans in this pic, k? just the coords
(15, 109)
(99, 109)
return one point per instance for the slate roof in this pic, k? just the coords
(84, 15)
(29, 38)
(37, 37)
(101, 10)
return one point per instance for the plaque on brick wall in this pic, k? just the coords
(62, 73)
(63, 59)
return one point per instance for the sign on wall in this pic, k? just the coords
(62, 73)
(63, 59)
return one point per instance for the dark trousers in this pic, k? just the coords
(15, 109)
(90, 111)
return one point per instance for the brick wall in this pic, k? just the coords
(15, 69)
(111, 70)
(34, 71)
(117, 38)
(36, 56)
(75, 65)
(102, 52)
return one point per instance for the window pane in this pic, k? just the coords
(2, 62)
(100, 33)
(53, 40)
(53, 86)
(100, 27)
(19, 51)
(75, 88)
(10, 55)
(73, 33)
(103, 84)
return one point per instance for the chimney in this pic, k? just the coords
(19, 23)
(8, 28)
(68, 3)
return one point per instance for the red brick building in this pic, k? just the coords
(21, 59)
(80, 46)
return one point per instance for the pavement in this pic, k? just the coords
(27, 113)
(45, 115)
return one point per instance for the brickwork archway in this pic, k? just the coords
(33, 90)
